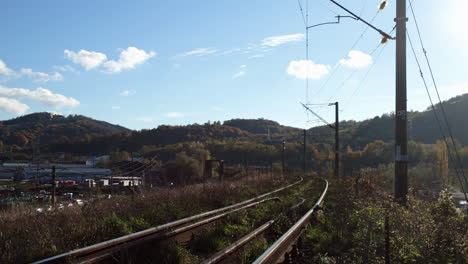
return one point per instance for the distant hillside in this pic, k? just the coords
(260, 126)
(81, 134)
(422, 126)
(163, 135)
(45, 128)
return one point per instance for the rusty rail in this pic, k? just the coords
(276, 252)
(109, 253)
(95, 252)
(226, 252)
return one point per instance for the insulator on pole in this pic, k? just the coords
(382, 5)
(383, 40)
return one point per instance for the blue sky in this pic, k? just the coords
(141, 64)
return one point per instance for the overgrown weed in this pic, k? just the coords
(27, 236)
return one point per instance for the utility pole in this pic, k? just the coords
(337, 141)
(283, 168)
(111, 183)
(337, 135)
(305, 151)
(53, 185)
(37, 175)
(401, 122)
(133, 181)
(34, 162)
(387, 239)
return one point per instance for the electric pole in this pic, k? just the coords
(305, 151)
(401, 122)
(337, 133)
(283, 168)
(337, 141)
(53, 185)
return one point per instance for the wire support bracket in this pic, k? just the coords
(381, 32)
(338, 20)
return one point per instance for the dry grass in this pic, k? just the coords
(27, 236)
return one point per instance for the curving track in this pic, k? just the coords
(116, 249)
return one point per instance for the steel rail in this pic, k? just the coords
(90, 250)
(221, 255)
(100, 256)
(276, 251)
(224, 253)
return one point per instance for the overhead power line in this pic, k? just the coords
(305, 18)
(381, 32)
(361, 83)
(142, 167)
(435, 114)
(318, 116)
(351, 75)
(335, 70)
(302, 12)
(327, 7)
(363, 7)
(444, 114)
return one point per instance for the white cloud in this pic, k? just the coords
(40, 95)
(230, 51)
(144, 119)
(198, 52)
(239, 74)
(303, 69)
(174, 115)
(88, 59)
(115, 107)
(127, 92)
(264, 46)
(128, 59)
(28, 72)
(41, 76)
(256, 56)
(65, 68)
(5, 70)
(356, 59)
(12, 106)
(283, 39)
(243, 66)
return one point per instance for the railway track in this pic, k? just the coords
(118, 249)
(282, 250)
(237, 245)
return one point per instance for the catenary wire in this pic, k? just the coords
(442, 108)
(435, 113)
(335, 70)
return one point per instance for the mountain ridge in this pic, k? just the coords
(50, 128)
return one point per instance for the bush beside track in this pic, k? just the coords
(29, 236)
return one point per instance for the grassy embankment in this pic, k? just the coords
(27, 236)
(235, 226)
(351, 228)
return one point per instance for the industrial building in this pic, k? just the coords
(42, 172)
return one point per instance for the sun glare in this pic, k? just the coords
(457, 18)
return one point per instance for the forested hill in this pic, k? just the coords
(45, 128)
(260, 126)
(82, 134)
(422, 126)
